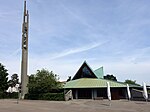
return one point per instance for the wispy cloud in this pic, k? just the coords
(139, 55)
(78, 50)
(9, 16)
(80, 18)
(15, 52)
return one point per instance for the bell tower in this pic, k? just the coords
(24, 62)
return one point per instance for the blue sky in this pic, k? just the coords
(64, 33)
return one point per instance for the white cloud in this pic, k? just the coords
(77, 50)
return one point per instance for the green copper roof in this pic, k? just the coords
(92, 83)
(99, 72)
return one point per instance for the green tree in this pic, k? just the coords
(43, 82)
(14, 80)
(131, 82)
(110, 77)
(3, 78)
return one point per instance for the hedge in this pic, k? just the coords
(4, 95)
(46, 96)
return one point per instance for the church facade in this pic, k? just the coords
(89, 84)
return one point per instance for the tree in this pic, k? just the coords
(131, 82)
(14, 80)
(3, 78)
(110, 77)
(43, 82)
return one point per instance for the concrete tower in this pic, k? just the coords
(24, 62)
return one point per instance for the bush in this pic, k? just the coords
(46, 96)
(4, 95)
(1, 95)
(53, 96)
(32, 96)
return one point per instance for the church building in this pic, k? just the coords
(89, 84)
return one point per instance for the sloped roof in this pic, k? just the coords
(99, 72)
(92, 79)
(92, 83)
(88, 73)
